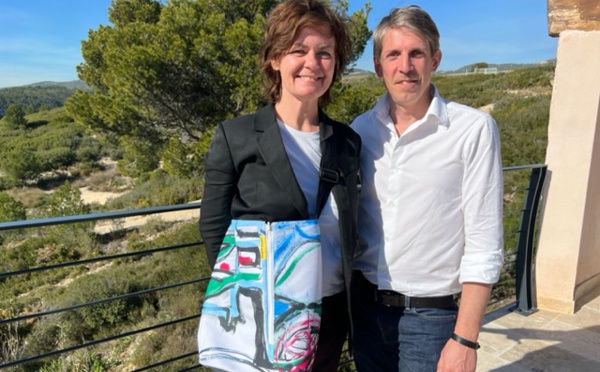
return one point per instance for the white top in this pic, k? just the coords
(304, 152)
(430, 209)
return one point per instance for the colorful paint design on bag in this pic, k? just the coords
(265, 291)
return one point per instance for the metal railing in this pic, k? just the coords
(523, 187)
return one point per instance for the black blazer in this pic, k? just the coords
(249, 176)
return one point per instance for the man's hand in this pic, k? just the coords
(457, 358)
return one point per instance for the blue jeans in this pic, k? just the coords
(388, 338)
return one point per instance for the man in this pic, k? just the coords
(430, 213)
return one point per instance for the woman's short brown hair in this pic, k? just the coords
(284, 23)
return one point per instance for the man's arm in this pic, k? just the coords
(458, 357)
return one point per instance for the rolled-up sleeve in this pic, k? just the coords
(482, 206)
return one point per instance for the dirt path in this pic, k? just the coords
(107, 226)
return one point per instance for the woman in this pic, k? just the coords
(279, 163)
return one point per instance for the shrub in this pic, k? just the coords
(158, 188)
(21, 163)
(14, 116)
(11, 209)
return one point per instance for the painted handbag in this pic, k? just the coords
(262, 310)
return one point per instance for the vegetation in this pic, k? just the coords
(15, 116)
(161, 80)
(47, 146)
(35, 98)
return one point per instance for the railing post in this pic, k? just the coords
(526, 302)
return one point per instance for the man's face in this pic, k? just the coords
(406, 66)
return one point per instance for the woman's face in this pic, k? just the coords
(307, 68)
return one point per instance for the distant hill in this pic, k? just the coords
(45, 95)
(75, 84)
(502, 67)
(356, 73)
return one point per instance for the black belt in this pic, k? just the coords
(391, 298)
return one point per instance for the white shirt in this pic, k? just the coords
(304, 152)
(430, 208)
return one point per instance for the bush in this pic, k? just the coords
(11, 209)
(15, 116)
(21, 163)
(157, 189)
(56, 158)
(523, 125)
(351, 100)
(91, 320)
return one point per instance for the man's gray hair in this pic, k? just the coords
(411, 17)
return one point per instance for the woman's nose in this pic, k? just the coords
(311, 59)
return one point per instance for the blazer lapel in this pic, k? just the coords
(273, 152)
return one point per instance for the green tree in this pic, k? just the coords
(139, 157)
(15, 116)
(480, 65)
(357, 25)
(352, 99)
(174, 71)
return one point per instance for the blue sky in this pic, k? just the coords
(40, 40)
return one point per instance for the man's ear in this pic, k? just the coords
(437, 59)
(378, 69)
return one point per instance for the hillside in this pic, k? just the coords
(39, 96)
(501, 67)
(75, 84)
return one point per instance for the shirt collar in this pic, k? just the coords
(436, 113)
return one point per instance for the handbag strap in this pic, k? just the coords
(329, 175)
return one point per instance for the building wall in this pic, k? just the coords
(568, 257)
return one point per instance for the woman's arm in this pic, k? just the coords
(220, 186)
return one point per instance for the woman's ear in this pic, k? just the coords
(275, 64)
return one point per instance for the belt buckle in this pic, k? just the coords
(392, 298)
